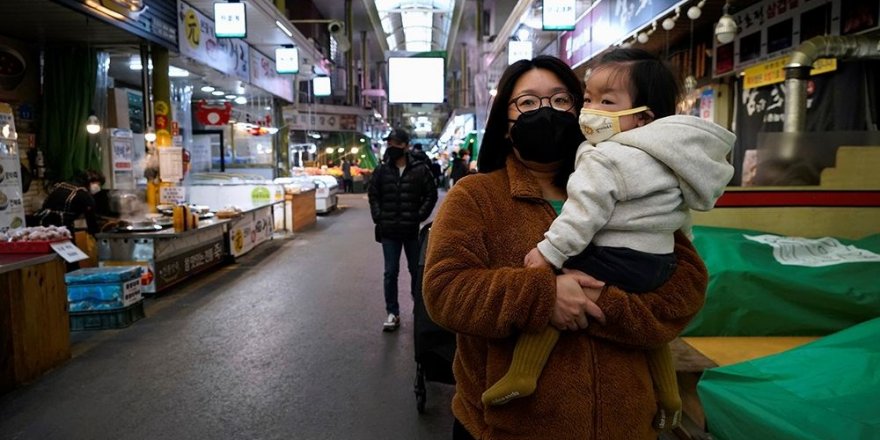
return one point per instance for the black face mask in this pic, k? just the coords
(546, 135)
(394, 153)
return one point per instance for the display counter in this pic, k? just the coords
(254, 226)
(34, 326)
(302, 209)
(168, 257)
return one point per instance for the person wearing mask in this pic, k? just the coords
(402, 194)
(596, 382)
(69, 201)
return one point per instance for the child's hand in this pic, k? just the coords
(535, 259)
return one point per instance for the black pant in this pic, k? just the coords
(631, 270)
(459, 433)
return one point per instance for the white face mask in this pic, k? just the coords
(94, 188)
(599, 125)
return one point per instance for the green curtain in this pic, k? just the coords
(69, 81)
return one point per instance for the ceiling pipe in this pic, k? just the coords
(797, 71)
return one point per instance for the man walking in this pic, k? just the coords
(347, 181)
(402, 194)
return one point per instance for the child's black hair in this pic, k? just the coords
(651, 81)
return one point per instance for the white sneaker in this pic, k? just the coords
(391, 323)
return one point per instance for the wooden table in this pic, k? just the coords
(34, 326)
(693, 355)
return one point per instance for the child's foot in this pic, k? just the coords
(507, 389)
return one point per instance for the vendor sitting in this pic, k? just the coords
(69, 201)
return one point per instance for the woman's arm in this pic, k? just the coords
(649, 320)
(463, 293)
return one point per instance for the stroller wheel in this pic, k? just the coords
(420, 389)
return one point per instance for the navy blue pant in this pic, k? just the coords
(632, 271)
(391, 250)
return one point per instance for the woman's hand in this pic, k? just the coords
(535, 259)
(572, 305)
(591, 286)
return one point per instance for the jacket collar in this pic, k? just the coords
(522, 183)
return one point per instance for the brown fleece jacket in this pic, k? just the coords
(596, 383)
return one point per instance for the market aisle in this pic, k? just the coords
(286, 344)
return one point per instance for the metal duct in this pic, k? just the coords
(797, 71)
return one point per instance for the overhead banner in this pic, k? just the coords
(196, 40)
(321, 121)
(264, 76)
(773, 72)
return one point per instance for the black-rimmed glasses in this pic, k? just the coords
(562, 101)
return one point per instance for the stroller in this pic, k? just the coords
(434, 346)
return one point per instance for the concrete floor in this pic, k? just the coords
(285, 344)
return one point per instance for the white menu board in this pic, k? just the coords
(171, 164)
(11, 206)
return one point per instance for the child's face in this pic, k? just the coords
(607, 90)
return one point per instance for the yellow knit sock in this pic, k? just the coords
(666, 387)
(529, 357)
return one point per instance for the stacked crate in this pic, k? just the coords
(104, 297)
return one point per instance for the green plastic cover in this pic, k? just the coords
(769, 285)
(827, 389)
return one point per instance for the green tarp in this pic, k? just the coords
(770, 285)
(828, 389)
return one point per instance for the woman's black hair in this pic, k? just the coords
(496, 144)
(88, 176)
(651, 81)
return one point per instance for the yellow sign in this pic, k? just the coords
(773, 71)
(193, 33)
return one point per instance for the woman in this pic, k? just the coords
(596, 382)
(67, 202)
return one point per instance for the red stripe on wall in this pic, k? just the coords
(735, 199)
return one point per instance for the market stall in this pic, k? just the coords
(34, 328)
(250, 227)
(167, 256)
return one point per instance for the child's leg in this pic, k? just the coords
(529, 357)
(666, 387)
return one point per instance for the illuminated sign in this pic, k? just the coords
(287, 60)
(518, 50)
(230, 20)
(559, 15)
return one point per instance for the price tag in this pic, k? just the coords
(68, 251)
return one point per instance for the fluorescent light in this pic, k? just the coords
(207, 89)
(241, 100)
(283, 28)
(218, 93)
(177, 72)
(231, 96)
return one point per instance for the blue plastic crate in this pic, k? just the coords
(106, 296)
(101, 275)
(119, 318)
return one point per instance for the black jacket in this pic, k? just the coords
(400, 202)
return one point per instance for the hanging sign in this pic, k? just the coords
(230, 19)
(213, 114)
(559, 15)
(286, 60)
(518, 50)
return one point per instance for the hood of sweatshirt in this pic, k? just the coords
(694, 149)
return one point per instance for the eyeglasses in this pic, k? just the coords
(562, 101)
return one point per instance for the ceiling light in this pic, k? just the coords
(283, 28)
(522, 34)
(218, 93)
(231, 97)
(207, 89)
(668, 24)
(177, 72)
(354, 150)
(93, 125)
(150, 135)
(643, 38)
(340, 150)
(241, 100)
(329, 150)
(725, 29)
